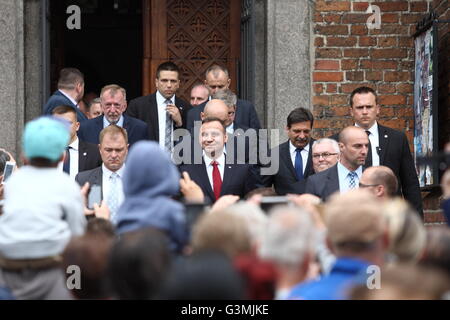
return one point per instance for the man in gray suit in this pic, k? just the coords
(346, 174)
(113, 150)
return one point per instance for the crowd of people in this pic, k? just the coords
(158, 198)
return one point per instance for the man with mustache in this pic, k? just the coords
(346, 174)
(295, 155)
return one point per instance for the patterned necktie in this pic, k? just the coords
(66, 164)
(352, 183)
(299, 163)
(217, 180)
(168, 136)
(113, 196)
(368, 162)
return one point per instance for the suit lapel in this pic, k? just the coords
(333, 181)
(309, 165)
(286, 158)
(153, 115)
(98, 178)
(227, 176)
(383, 140)
(204, 177)
(81, 155)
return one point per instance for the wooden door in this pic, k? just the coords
(194, 34)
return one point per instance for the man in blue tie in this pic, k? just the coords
(295, 155)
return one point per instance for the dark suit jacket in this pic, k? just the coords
(245, 115)
(395, 154)
(90, 130)
(93, 176)
(88, 156)
(58, 99)
(285, 181)
(324, 183)
(146, 109)
(238, 179)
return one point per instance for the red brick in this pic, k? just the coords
(405, 88)
(331, 30)
(327, 65)
(328, 53)
(341, 42)
(332, 18)
(387, 41)
(328, 76)
(389, 18)
(376, 64)
(391, 29)
(386, 88)
(387, 112)
(406, 65)
(342, 111)
(338, 100)
(358, 30)
(349, 87)
(318, 123)
(356, 53)
(321, 100)
(390, 100)
(318, 88)
(332, 5)
(332, 88)
(394, 123)
(367, 41)
(354, 76)
(318, 17)
(391, 6)
(351, 18)
(405, 112)
(405, 42)
(374, 75)
(396, 76)
(418, 6)
(388, 53)
(349, 64)
(409, 18)
(318, 42)
(360, 6)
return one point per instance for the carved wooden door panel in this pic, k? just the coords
(194, 34)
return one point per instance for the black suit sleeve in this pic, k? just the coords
(132, 109)
(254, 120)
(408, 177)
(311, 186)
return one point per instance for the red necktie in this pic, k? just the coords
(217, 180)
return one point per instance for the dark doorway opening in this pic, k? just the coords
(107, 48)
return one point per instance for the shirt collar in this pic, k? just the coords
(69, 97)
(230, 128)
(108, 172)
(373, 129)
(220, 160)
(74, 145)
(160, 99)
(293, 148)
(107, 123)
(345, 171)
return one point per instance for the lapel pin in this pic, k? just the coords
(385, 135)
(229, 167)
(85, 154)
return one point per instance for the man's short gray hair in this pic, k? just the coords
(289, 237)
(333, 143)
(226, 96)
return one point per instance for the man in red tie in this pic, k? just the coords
(218, 174)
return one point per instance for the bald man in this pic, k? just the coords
(346, 174)
(380, 181)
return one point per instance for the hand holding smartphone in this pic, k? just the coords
(9, 169)
(95, 196)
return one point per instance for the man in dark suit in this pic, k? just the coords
(80, 155)
(295, 155)
(215, 175)
(389, 147)
(70, 92)
(113, 150)
(217, 78)
(162, 111)
(346, 174)
(114, 103)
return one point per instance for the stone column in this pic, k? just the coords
(288, 60)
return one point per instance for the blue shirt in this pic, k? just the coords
(344, 179)
(346, 271)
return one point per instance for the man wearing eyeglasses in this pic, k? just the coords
(325, 154)
(380, 181)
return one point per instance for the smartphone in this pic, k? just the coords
(95, 196)
(193, 212)
(9, 168)
(268, 202)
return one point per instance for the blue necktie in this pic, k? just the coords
(352, 182)
(66, 163)
(168, 135)
(299, 163)
(113, 196)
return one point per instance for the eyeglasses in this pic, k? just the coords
(323, 155)
(362, 185)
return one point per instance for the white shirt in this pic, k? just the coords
(107, 183)
(209, 167)
(73, 152)
(304, 153)
(119, 123)
(230, 128)
(374, 142)
(69, 97)
(43, 209)
(344, 179)
(162, 113)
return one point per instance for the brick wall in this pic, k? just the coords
(348, 55)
